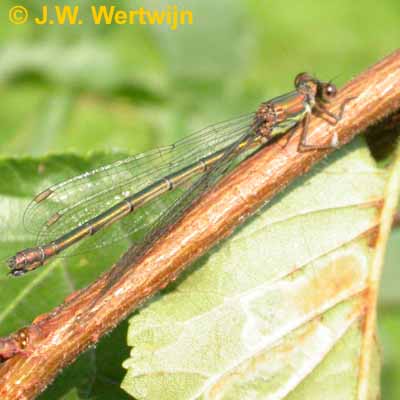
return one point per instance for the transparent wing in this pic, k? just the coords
(68, 204)
(171, 214)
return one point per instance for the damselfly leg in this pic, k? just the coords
(322, 110)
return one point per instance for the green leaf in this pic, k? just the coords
(341, 191)
(276, 310)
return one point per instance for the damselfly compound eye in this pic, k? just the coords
(330, 90)
(302, 78)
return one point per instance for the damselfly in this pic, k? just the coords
(128, 196)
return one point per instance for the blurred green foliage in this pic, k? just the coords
(84, 89)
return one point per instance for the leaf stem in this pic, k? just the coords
(386, 221)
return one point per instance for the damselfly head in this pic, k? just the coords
(324, 91)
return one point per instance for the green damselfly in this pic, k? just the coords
(130, 196)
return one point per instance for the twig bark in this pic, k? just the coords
(54, 340)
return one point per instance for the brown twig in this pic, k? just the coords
(54, 340)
